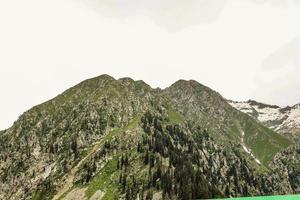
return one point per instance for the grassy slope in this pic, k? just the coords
(105, 181)
(174, 117)
(263, 142)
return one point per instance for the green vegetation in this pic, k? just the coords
(175, 117)
(264, 142)
(106, 181)
(209, 110)
(99, 182)
(38, 195)
(44, 191)
(132, 124)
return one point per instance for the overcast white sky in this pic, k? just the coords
(244, 49)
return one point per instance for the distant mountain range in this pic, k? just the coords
(285, 121)
(121, 139)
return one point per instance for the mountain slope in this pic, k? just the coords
(206, 107)
(122, 139)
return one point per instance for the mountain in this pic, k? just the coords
(121, 139)
(285, 121)
(207, 108)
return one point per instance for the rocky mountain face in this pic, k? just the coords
(282, 120)
(120, 139)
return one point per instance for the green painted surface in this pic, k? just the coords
(288, 197)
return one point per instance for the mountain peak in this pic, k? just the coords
(189, 86)
(261, 105)
(126, 79)
(105, 77)
(96, 82)
(183, 82)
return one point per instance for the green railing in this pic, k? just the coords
(286, 197)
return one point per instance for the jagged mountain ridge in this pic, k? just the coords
(284, 120)
(88, 130)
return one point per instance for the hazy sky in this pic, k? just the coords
(244, 49)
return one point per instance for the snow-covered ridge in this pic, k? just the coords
(283, 120)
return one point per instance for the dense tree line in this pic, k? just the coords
(179, 178)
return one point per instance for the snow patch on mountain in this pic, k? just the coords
(293, 119)
(268, 114)
(283, 120)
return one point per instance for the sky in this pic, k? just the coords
(244, 49)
